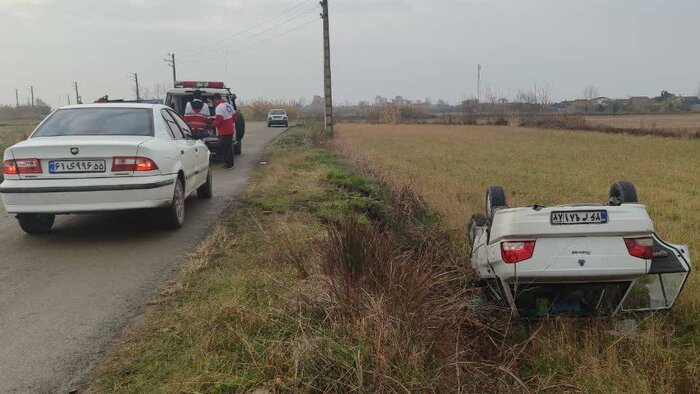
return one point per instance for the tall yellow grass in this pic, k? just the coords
(451, 165)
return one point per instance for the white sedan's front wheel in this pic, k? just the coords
(174, 216)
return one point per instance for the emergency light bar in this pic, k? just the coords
(199, 84)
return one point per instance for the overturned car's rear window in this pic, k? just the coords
(97, 121)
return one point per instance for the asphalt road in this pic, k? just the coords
(66, 295)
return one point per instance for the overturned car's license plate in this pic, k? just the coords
(580, 217)
(76, 166)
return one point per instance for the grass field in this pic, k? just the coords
(320, 279)
(451, 165)
(670, 122)
(14, 131)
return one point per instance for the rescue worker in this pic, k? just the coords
(197, 115)
(224, 122)
(197, 97)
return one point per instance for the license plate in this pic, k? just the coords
(580, 217)
(76, 166)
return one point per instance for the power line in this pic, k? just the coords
(253, 27)
(256, 43)
(225, 45)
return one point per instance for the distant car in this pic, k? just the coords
(105, 157)
(580, 259)
(178, 97)
(277, 117)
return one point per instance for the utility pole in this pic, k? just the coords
(77, 95)
(17, 97)
(478, 83)
(328, 93)
(171, 63)
(31, 93)
(68, 97)
(135, 77)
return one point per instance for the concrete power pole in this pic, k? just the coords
(478, 83)
(328, 118)
(17, 97)
(171, 63)
(77, 95)
(68, 97)
(31, 94)
(135, 76)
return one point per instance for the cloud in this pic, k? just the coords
(24, 9)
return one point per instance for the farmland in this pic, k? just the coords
(14, 131)
(449, 166)
(668, 122)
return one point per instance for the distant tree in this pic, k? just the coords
(590, 92)
(665, 95)
(41, 107)
(698, 92)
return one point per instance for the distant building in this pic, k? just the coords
(318, 101)
(690, 100)
(380, 101)
(601, 101)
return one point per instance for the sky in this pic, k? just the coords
(413, 48)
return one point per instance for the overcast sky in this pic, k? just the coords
(390, 47)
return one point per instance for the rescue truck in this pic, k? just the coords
(178, 97)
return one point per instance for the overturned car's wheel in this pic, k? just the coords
(495, 199)
(623, 192)
(36, 223)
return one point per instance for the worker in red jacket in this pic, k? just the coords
(225, 123)
(197, 115)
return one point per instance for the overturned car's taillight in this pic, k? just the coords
(21, 166)
(640, 247)
(517, 251)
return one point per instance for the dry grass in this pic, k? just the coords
(671, 122)
(450, 166)
(13, 132)
(321, 280)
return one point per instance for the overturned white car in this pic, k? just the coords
(580, 259)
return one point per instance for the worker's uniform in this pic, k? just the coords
(197, 117)
(225, 122)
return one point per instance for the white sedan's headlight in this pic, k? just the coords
(284, 117)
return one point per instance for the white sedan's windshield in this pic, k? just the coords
(277, 112)
(97, 121)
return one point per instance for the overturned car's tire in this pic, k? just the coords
(495, 199)
(477, 220)
(623, 192)
(36, 223)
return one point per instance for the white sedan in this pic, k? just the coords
(105, 157)
(579, 259)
